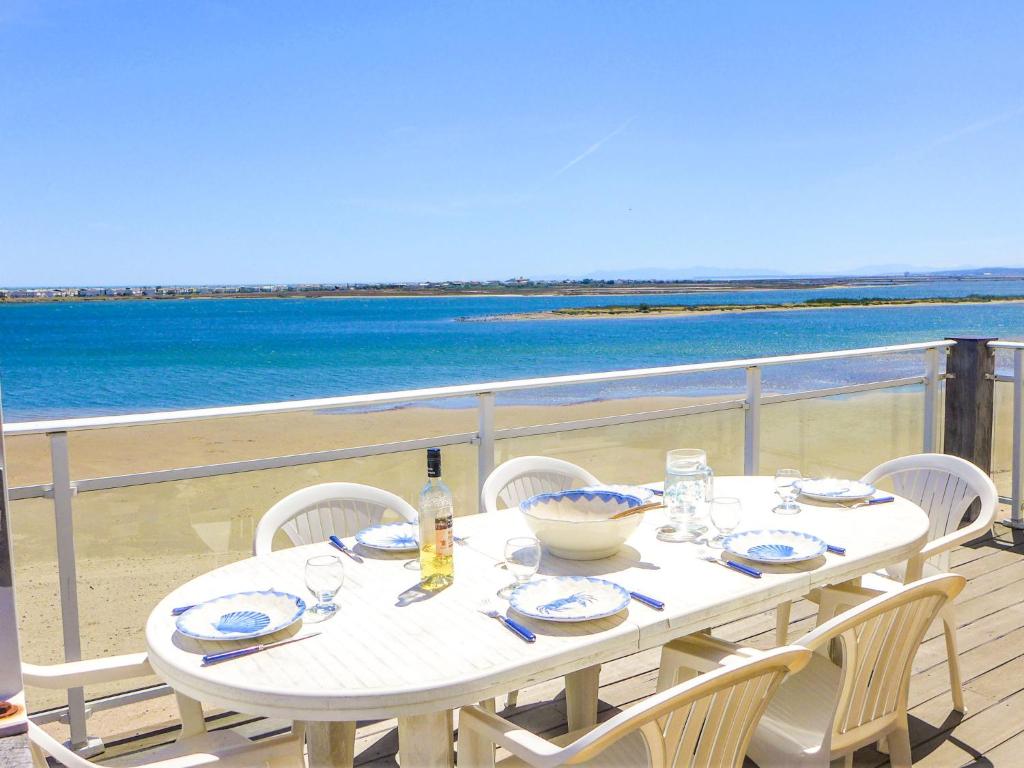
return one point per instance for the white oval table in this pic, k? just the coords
(393, 651)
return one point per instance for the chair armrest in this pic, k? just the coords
(704, 653)
(73, 674)
(955, 538)
(538, 752)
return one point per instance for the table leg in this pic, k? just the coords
(331, 745)
(581, 689)
(425, 741)
(191, 712)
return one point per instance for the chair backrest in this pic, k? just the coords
(519, 479)
(705, 722)
(944, 487)
(313, 514)
(879, 640)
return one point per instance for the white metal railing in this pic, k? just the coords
(63, 487)
(1016, 519)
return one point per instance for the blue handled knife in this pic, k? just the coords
(217, 658)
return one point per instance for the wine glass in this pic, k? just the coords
(522, 560)
(324, 576)
(726, 512)
(787, 490)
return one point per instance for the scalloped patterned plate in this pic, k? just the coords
(774, 546)
(391, 537)
(241, 616)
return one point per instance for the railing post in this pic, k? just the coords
(67, 573)
(752, 423)
(970, 388)
(1016, 520)
(485, 447)
(931, 400)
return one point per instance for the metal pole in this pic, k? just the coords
(67, 573)
(485, 449)
(1016, 520)
(931, 400)
(752, 423)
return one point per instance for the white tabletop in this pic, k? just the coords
(388, 654)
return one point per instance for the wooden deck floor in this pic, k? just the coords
(990, 613)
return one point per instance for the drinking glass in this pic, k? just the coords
(324, 576)
(785, 487)
(726, 512)
(522, 560)
(688, 491)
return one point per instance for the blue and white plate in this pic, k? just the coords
(834, 489)
(241, 616)
(391, 537)
(569, 598)
(774, 546)
(642, 492)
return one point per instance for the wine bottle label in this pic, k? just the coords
(443, 535)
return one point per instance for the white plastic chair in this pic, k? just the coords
(518, 479)
(702, 723)
(77, 674)
(944, 487)
(829, 710)
(315, 513)
(221, 749)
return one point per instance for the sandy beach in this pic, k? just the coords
(666, 311)
(135, 544)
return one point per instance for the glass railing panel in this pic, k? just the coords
(134, 545)
(635, 453)
(844, 435)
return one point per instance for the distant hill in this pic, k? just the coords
(720, 273)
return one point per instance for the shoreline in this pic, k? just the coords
(553, 290)
(625, 312)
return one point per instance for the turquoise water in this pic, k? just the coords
(113, 357)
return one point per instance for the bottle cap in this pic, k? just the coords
(433, 462)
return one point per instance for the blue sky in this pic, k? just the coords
(191, 142)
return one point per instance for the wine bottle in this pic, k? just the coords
(437, 562)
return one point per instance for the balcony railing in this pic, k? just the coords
(63, 487)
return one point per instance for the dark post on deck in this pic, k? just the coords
(970, 388)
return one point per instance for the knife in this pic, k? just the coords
(340, 545)
(648, 601)
(217, 658)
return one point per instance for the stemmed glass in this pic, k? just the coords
(726, 512)
(787, 490)
(522, 560)
(324, 576)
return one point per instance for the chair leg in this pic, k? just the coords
(948, 617)
(673, 669)
(899, 745)
(782, 622)
(474, 749)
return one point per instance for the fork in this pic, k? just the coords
(487, 608)
(706, 554)
(869, 502)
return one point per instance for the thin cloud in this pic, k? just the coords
(976, 127)
(592, 149)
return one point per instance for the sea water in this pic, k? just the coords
(83, 358)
